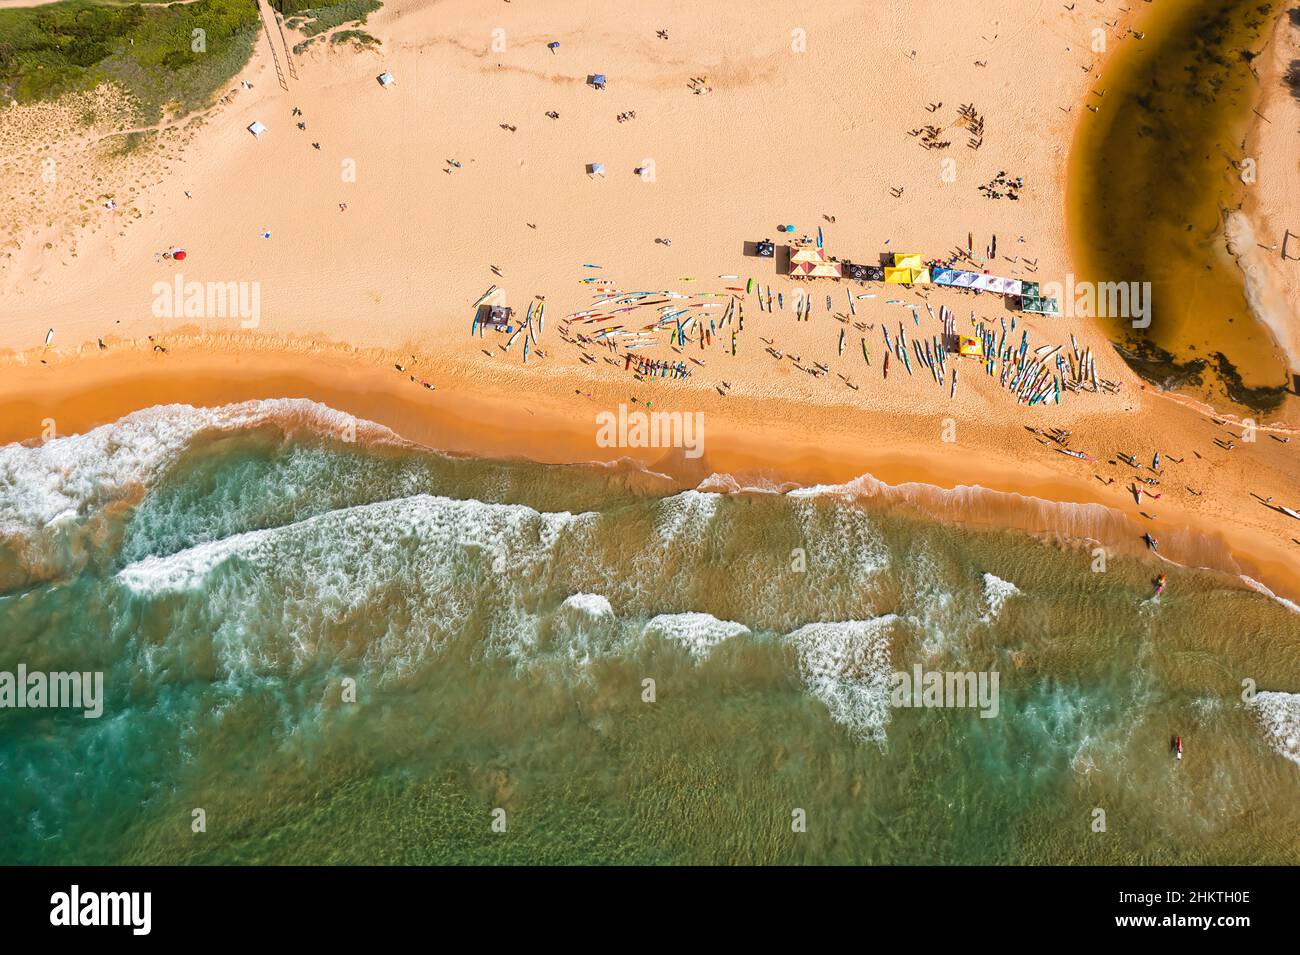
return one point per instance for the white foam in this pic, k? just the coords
(188, 569)
(71, 476)
(846, 538)
(425, 565)
(1256, 586)
(699, 633)
(996, 593)
(728, 484)
(846, 665)
(686, 514)
(592, 605)
(1279, 719)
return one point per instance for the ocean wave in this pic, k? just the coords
(399, 579)
(593, 606)
(846, 665)
(728, 484)
(1278, 715)
(48, 491)
(996, 593)
(1256, 586)
(687, 514)
(698, 633)
(67, 475)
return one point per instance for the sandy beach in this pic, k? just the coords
(369, 252)
(1273, 214)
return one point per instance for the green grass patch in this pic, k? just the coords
(317, 20)
(150, 51)
(356, 36)
(128, 143)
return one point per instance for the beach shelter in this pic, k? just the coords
(971, 348)
(498, 316)
(596, 169)
(908, 260)
(897, 276)
(813, 263)
(598, 81)
(257, 129)
(385, 79)
(179, 255)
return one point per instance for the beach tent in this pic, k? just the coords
(971, 348)
(496, 316)
(1039, 305)
(908, 260)
(257, 129)
(955, 278)
(598, 81)
(385, 79)
(813, 263)
(897, 276)
(596, 169)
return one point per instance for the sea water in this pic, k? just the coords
(321, 644)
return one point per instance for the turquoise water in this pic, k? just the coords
(228, 571)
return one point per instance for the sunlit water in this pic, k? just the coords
(229, 572)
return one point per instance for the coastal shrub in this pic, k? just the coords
(357, 36)
(76, 44)
(318, 20)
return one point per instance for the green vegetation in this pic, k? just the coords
(357, 36)
(311, 21)
(149, 51)
(132, 141)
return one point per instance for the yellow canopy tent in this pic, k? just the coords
(897, 276)
(908, 260)
(920, 276)
(971, 348)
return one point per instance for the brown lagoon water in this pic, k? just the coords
(1151, 174)
(229, 570)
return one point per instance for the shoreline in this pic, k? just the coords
(894, 465)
